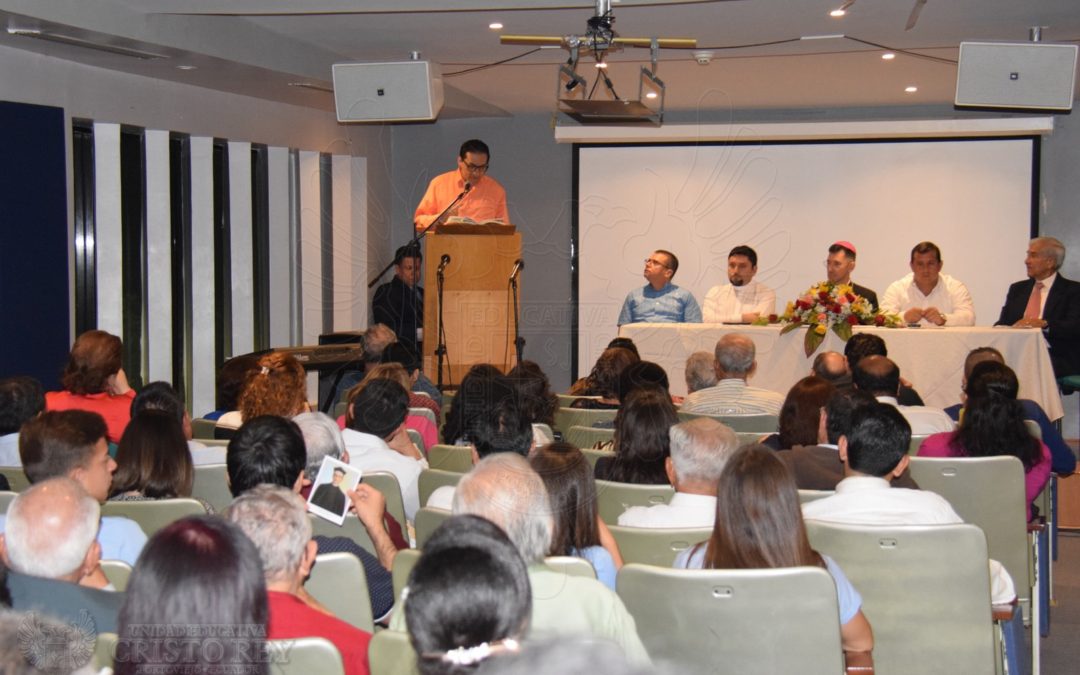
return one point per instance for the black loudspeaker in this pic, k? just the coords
(1016, 75)
(406, 91)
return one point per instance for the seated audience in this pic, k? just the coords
(278, 386)
(880, 377)
(482, 385)
(643, 375)
(21, 400)
(49, 545)
(407, 358)
(833, 368)
(602, 383)
(699, 451)
(578, 530)
(377, 441)
(270, 450)
(759, 525)
(874, 453)
(731, 395)
(71, 443)
(230, 384)
(641, 442)
(581, 386)
(275, 519)
(200, 586)
(800, 416)
(993, 425)
(162, 396)
(469, 598)
(700, 372)
(94, 380)
(1063, 461)
(861, 345)
(535, 398)
(153, 461)
(394, 372)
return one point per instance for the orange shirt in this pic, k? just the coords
(115, 409)
(485, 201)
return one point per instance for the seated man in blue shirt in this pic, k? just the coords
(660, 301)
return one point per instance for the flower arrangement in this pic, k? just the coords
(832, 306)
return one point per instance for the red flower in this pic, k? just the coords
(773, 318)
(879, 320)
(851, 297)
(836, 309)
(802, 304)
(824, 296)
(853, 320)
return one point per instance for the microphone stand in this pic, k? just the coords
(519, 342)
(440, 332)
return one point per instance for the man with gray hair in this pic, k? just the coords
(275, 520)
(734, 364)
(699, 451)
(1048, 301)
(50, 547)
(700, 372)
(504, 489)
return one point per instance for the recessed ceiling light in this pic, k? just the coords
(837, 13)
(888, 56)
(911, 90)
(186, 67)
(601, 64)
(651, 94)
(495, 25)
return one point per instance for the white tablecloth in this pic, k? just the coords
(932, 359)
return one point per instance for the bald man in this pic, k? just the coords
(735, 364)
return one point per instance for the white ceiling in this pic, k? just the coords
(258, 47)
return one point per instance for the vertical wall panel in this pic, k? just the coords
(281, 257)
(241, 249)
(107, 241)
(311, 309)
(158, 348)
(350, 239)
(202, 274)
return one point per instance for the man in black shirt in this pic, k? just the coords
(400, 303)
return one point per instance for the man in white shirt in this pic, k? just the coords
(880, 377)
(928, 297)
(376, 439)
(699, 451)
(743, 300)
(735, 363)
(875, 452)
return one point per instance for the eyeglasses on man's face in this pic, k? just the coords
(656, 263)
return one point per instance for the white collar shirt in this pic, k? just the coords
(950, 296)
(728, 303)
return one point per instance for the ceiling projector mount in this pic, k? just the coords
(600, 39)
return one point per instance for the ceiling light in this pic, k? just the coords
(601, 64)
(911, 90)
(186, 67)
(837, 13)
(888, 56)
(495, 25)
(651, 94)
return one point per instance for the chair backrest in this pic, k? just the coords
(417, 438)
(447, 397)
(916, 443)
(1033, 428)
(104, 651)
(433, 479)
(456, 458)
(340, 407)
(594, 455)
(211, 484)
(540, 427)
(351, 528)
(581, 417)
(6, 498)
(391, 653)
(571, 565)
(16, 478)
(757, 424)
(925, 591)
(426, 522)
(387, 484)
(424, 412)
(202, 429)
(988, 492)
(154, 514)
(117, 572)
(739, 621)
(656, 546)
(404, 561)
(304, 656)
(215, 442)
(338, 581)
(813, 495)
(566, 400)
(587, 437)
(614, 498)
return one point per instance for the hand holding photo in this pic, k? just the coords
(327, 499)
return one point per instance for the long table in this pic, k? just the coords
(931, 358)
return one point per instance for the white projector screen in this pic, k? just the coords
(790, 201)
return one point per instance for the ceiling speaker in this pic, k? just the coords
(406, 91)
(1016, 75)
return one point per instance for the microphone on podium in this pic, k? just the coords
(519, 265)
(443, 262)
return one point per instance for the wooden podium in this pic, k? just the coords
(477, 306)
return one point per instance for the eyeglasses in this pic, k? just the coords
(654, 261)
(474, 168)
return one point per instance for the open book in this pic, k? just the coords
(465, 220)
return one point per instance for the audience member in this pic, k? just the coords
(700, 372)
(577, 528)
(660, 301)
(700, 449)
(162, 396)
(731, 395)
(199, 586)
(832, 367)
(643, 375)
(409, 359)
(567, 656)
(230, 384)
(800, 416)
(880, 377)
(399, 303)
(875, 453)
(743, 300)
(376, 339)
(49, 545)
(277, 386)
(993, 425)
(468, 599)
(72, 443)
(394, 372)
(482, 385)
(602, 384)
(153, 461)
(275, 520)
(927, 296)
(641, 444)
(861, 345)
(94, 380)
(839, 266)
(535, 398)
(624, 343)
(21, 400)
(759, 525)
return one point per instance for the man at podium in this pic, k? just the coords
(485, 200)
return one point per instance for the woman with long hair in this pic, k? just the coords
(94, 380)
(641, 441)
(153, 460)
(759, 525)
(535, 399)
(481, 387)
(603, 381)
(800, 416)
(571, 490)
(991, 425)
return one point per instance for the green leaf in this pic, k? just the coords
(812, 342)
(843, 329)
(790, 327)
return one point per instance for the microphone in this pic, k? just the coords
(468, 186)
(443, 262)
(519, 265)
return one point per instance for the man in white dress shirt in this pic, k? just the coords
(928, 297)
(880, 377)
(743, 300)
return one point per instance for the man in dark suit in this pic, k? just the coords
(329, 495)
(839, 266)
(1048, 301)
